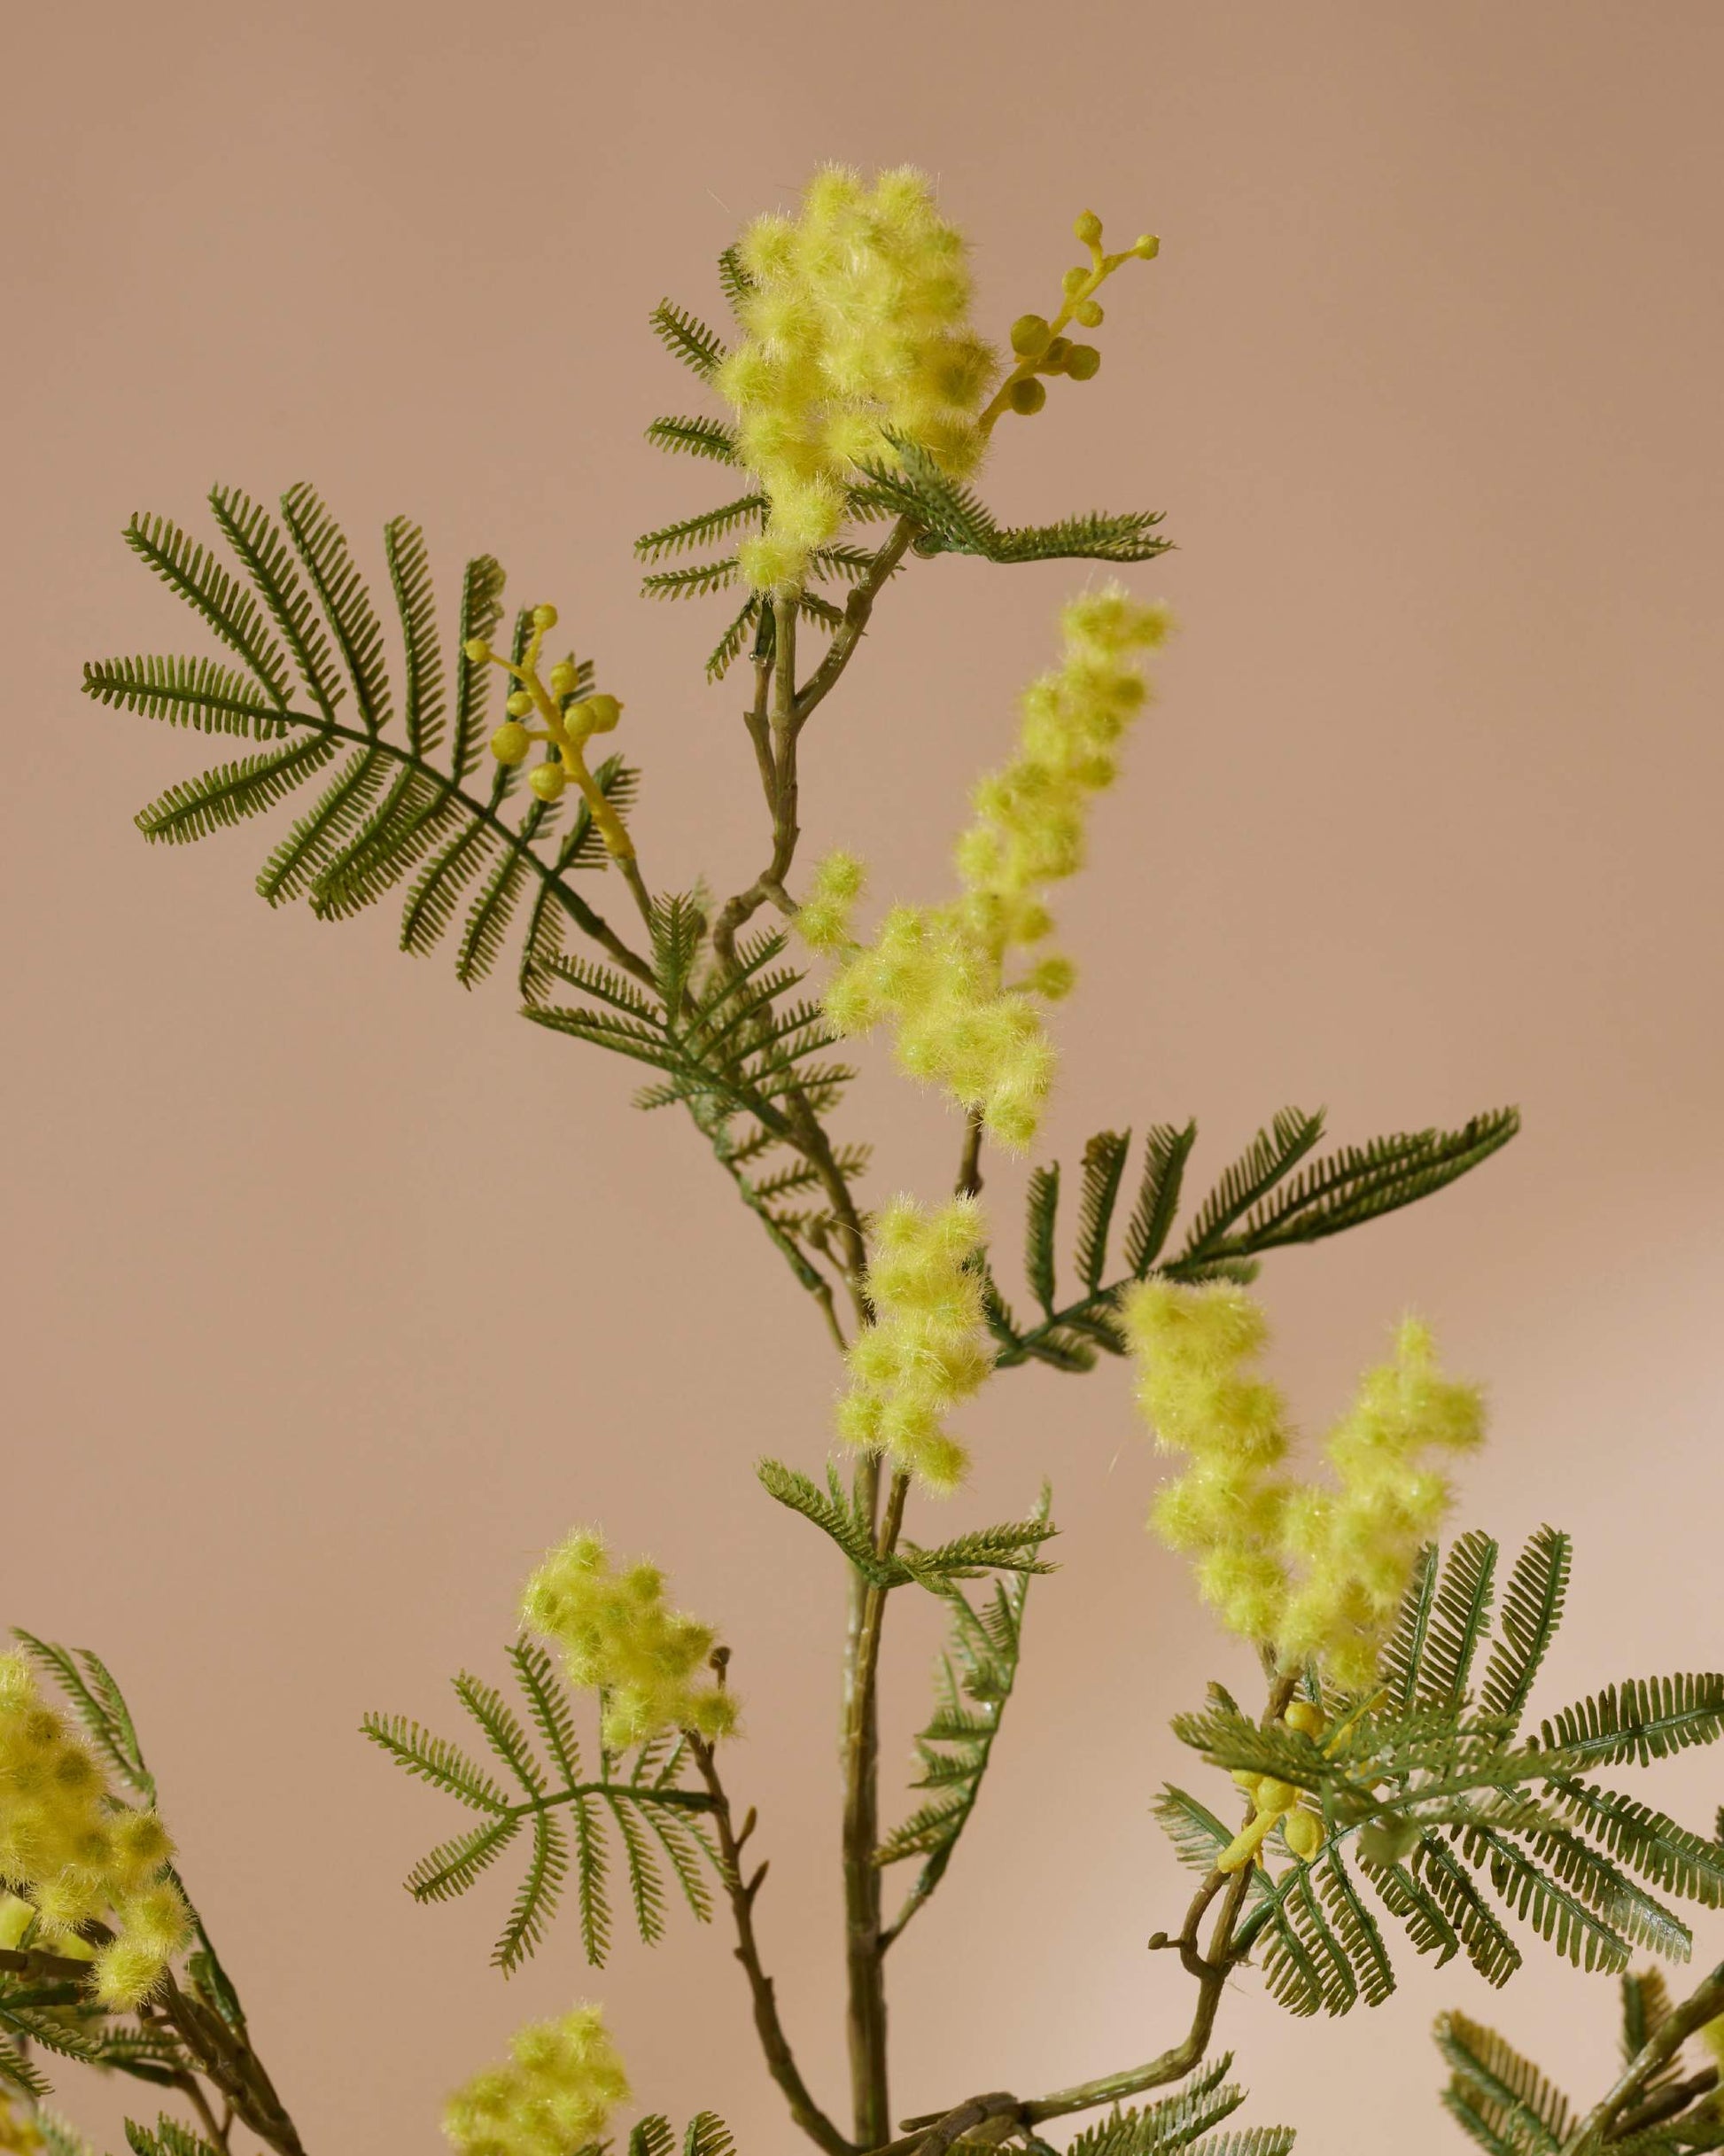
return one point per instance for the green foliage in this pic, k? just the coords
(705, 2134)
(950, 518)
(88, 1685)
(1500, 2098)
(1011, 1547)
(973, 1681)
(655, 1819)
(398, 801)
(1259, 1204)
(1439, 1807)
(1181, 2121)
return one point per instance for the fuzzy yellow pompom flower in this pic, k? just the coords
(857, 327)
(1195, 1348)
(1357, 1540)
(78, 1855)
(620, 1640)
(563, 2081)
(1317, 1572)
(926, 1349)
(937, 976)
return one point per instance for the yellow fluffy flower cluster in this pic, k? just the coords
(618, 1640)
(563, 2081)
(926, 1349)
(77, 1854)
(857, 326)
(937, 974)
(1317, 1572)
(19, 2134)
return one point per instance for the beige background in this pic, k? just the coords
(334, 1295)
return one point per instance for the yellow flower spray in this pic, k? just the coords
(938, 975)
(926, 1349)
(858, 329)
(563, 2081)
(1315, 1573)
(78, 1855)
(646, 1661)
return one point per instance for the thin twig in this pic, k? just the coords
(781, 2061)
(1703, 2004)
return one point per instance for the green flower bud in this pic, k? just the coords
(1030, 335)
(1082, 362)
(563, 678)
(1146, 246)
(519, 705)
(1074, 280)
(602, 714)
(1089, 312)
(1053, 360)
(1027, 396)
(510, 743)
(544, 617)
(477, 650)
(548, 780)
(1087, 228)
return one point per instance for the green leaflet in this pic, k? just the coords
(395, 801)
(1496, 1818)
(567, 1820)
(972, 1682)
(1263, 1201)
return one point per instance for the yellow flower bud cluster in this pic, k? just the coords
(1278, 1804)
(937, 974)
(926, 1349)
(618, 1638)
(1357, 1542)
(1317, 1572)
(77, 1854)
(563, 2081)
(567, 724)
(1041, 347)
(857, 326)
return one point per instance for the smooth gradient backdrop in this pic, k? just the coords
(335, 1293)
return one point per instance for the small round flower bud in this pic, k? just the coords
(563, 678)
(548, 780)
(1146, 246)
(1273, 1795)
(1304, 1834)
(519, 705)
(1027, 396)
(477, 650)
(1087, 228)
(1055, 359)
(1030, 335)
(1082, 362)
(603, 713)
(1089, 312)
(544, 617)
(1074, 281)
(1305, 1714)
(510, 743)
